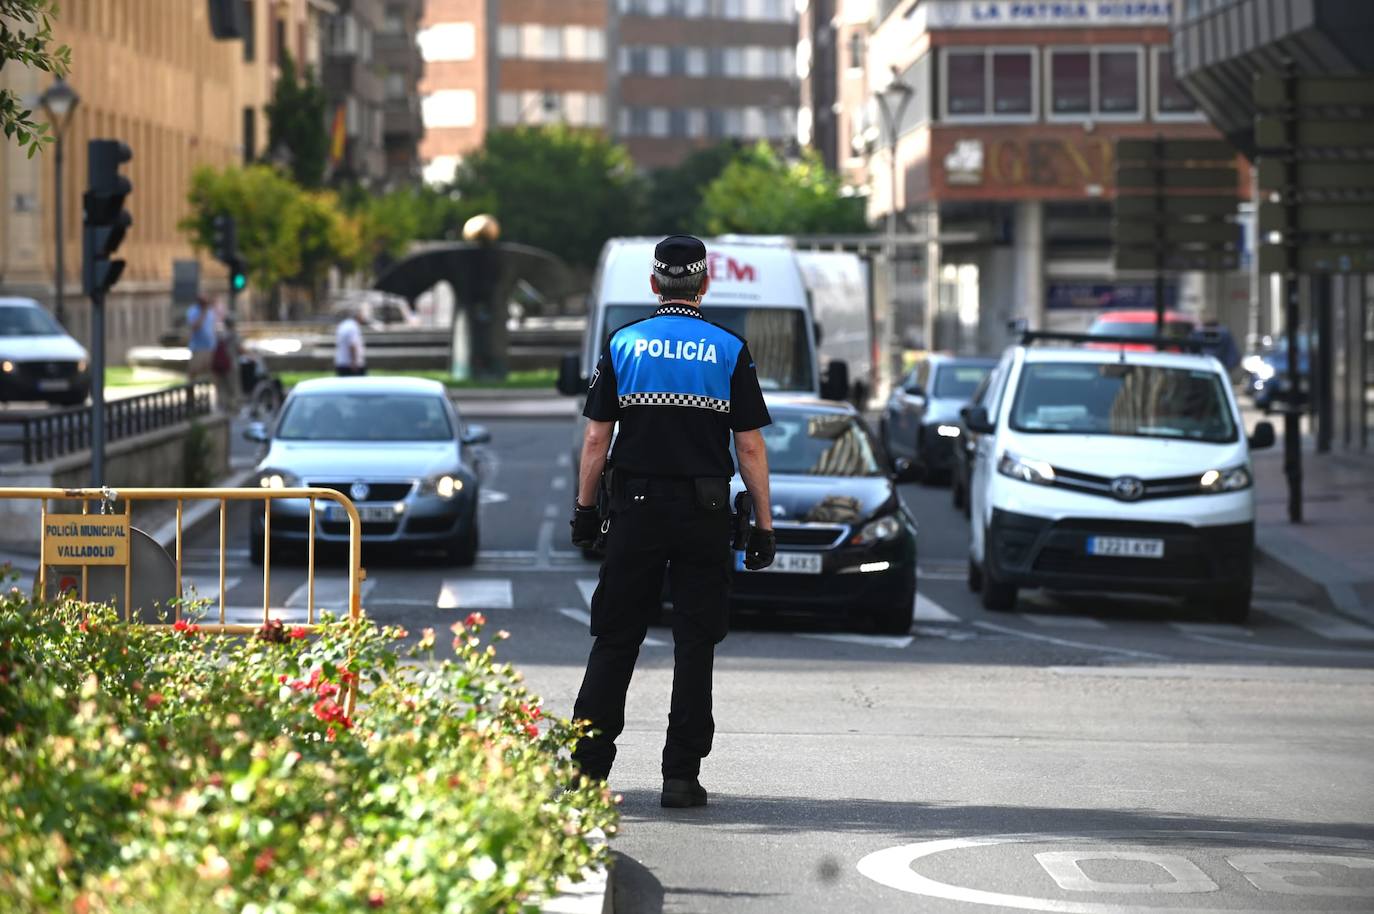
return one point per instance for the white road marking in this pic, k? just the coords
(564, 459)
(476, 593)
(201, 587)
(940, 631)
(550, 511)
(559, 482)
(1054, 620)
(506, 554)
(927, 610)
(587, 586)
(1328, 626)
(1210, 628)
(1278, 649)
(1064, 642)
(893, 642)
(581, 616)
(330, 593)
(492, 497)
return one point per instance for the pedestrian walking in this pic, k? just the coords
(679, 386)
(224, 365)
(200, 321)
(350, 355)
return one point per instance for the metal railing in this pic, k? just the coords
(56, 433)
(107, 498)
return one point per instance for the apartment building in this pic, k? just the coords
(453, 90)
(402, 65)
(1006, 145)
(354, 85)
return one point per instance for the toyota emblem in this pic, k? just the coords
(359, 491)
(1127, 488)
(779, 511)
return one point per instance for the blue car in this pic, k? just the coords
(1266, 372)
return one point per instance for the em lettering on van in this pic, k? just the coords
(724, 267)
(700, 350)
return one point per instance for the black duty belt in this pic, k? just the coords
(658, 486)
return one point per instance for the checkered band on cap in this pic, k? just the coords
(674, 270)
(672, 399)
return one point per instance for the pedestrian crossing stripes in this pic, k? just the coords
(476, 593)
(1052, 620)
(1328, 626)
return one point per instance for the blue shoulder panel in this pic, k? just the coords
(675, 361)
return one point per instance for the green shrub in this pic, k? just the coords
(166, 770)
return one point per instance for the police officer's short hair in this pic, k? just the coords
(680, 266)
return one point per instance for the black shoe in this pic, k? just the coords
(681, 793)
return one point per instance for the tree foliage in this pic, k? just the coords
(675, 193)
(296, 124)
(285, 233)
(763, 194)
(25, 35)
(557, 188)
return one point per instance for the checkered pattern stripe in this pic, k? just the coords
(677, 311)
(672, 399)
(675, 270)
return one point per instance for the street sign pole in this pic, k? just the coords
(98, 390)
(1159, 236)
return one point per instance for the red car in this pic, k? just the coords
(1141, 323)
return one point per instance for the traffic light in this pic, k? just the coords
(224, 242)
(106, 221)
(238, 275)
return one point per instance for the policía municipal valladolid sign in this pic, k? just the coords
(85, 539)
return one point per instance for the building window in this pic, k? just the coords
(1098, 82)
(532, 41)
(696, 62)
(456, 41)
(456, 107)
(856, 50)
(393, 20)
(1171, 101)
(658, 60)
(250, 135)
(508, 41)
(250, 43)
(997, 85)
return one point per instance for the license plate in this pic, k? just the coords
(368, 514)
(50, 384)
(1127, 546)
(788, 563)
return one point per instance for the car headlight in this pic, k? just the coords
(947, 431)
(1252, 363)
(1037, 472)
(875, 531)
(7, 366)
(278, 479)
(1232, 480)
(1264, 371)
(444, 485)
(80, 366)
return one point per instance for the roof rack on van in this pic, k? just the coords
(1030, 337)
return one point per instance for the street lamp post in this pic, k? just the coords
(892, 102)
(59, 102)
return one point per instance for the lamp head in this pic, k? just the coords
(59, 101)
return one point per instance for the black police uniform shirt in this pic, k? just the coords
(678, 385)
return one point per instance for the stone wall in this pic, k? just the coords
(156, 459)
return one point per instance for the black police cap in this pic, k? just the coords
(679, 255)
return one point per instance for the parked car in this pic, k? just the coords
(965, 445)
(1141, 323)
(921, 418)
(1266, 372)
(38, 359)
(846, 541)
(1113, 471)
(395, 446)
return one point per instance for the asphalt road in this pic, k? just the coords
(1084, 755)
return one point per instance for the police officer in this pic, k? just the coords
(678, 385)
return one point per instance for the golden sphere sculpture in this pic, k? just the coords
(482, 229)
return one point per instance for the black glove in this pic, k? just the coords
(586, 526)
(760, 550)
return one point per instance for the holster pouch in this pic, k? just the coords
(744, 512)
(712, 492)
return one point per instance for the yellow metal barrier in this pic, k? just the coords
(108, 496)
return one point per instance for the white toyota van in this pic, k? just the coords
(1107, 468)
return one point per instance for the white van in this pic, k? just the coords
(756, 291)
(837, 283)
(1106, 468)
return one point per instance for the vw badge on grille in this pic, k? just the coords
(1127, 488)
(359, 491)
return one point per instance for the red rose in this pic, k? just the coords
(475, 619)
(376, 900)
(300, 631)
(153, 700)
(263, 862)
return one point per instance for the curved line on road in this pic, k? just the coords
(1303, 651)
(1065, 642)
(892, 867)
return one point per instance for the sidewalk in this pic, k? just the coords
(1333, 549)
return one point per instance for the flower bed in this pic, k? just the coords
(153, 771)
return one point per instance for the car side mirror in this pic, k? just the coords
(977, 419)
(1263, 436)
(476, 434)
(257, 431)
(836, 383)
(570, 380)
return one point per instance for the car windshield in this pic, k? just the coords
(1118, 399)
(958, 381)
(365, 417)
(27, 322)
(777, 339)
(1175, 329)
(819, 444)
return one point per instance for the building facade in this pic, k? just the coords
(1005, 153)
(818, 62)
(402, 65)
(353, 82)
(1220, 45)
(453, 91)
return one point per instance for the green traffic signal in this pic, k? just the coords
(239, 281)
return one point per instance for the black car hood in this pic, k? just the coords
(825, 499)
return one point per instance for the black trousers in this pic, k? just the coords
(694, 544)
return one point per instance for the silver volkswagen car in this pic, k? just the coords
(395, 446)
